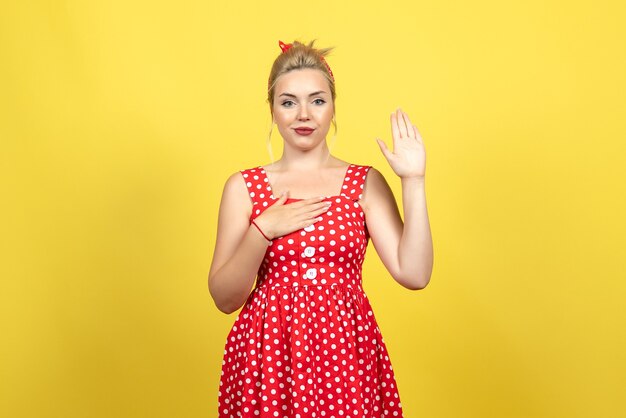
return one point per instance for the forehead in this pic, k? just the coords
(301, 81)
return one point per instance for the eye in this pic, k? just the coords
(285, 102)
(320, 100)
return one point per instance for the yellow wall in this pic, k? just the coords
(120, 122)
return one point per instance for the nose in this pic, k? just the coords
(303, 114)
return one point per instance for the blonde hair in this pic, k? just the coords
(299, 56)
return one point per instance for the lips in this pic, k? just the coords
(304, 131)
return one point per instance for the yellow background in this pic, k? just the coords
(121, 120)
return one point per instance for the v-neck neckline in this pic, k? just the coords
(271, 189)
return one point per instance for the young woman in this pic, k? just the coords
(306, 343)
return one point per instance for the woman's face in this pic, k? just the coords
(302, 99)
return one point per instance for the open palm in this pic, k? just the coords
(408, 158)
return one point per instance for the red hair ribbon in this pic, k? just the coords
(285, 47)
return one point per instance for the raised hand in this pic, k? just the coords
(408, 158)
(280, 219)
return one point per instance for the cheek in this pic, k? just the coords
(280, 119)
(328, 114)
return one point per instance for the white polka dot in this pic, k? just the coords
(322, 327)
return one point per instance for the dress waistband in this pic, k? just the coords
(307, 286)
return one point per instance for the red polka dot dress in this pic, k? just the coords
(306, 342)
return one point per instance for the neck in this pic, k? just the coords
(304, 162)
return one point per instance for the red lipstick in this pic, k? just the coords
(304, 131)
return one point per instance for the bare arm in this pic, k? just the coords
(405, 248)
(239, 248)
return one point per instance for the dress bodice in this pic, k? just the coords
(330, 251)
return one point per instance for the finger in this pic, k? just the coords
(417, 134)
(395, 129)
(321, 210)
(384, 149)
(309, 221)
(401, 123)
(326, 204)
(323, 206)
(281, 198)
(409, 126)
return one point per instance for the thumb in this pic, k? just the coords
(388, 154)
(283, 197)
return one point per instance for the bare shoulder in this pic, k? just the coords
(376, 190)
(235, 194)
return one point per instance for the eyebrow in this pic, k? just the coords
(312, 94)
